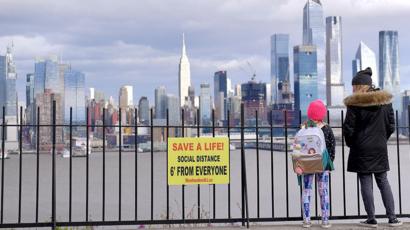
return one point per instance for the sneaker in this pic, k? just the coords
(369, 223)
(395, 222)
(307, 224)
(326, 224)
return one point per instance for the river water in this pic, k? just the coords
(144, 185)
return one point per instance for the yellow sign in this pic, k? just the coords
(202, 160)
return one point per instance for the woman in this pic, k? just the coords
(368, 125)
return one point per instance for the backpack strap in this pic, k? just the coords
(327, 161)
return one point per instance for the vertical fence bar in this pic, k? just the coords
(70, 183)
(20, 160)
(183, 186)
(271, 164)
(257, 166)
(119, 164)
(398, 159)
(330, 173)
(286, 165)
(53, 173)
(152, 165)
(316, 201)
(37, 161)
(242, 164)
(408, 121)
(343, 165)
(358, 195)
(167, 165)
(198, 130)
(245, 207)
(229, 185)
(301, 184)
(3, 140)
(103, 167)
(213, 186)
(87, 163)
(136, 164)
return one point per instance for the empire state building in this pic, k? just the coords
(184, 79)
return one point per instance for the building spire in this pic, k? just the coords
(183, 45)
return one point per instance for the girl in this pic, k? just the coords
(316, 113)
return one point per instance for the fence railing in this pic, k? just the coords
(142, 196)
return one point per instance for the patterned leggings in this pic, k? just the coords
(323, 186)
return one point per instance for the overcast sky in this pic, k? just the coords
(139, 42)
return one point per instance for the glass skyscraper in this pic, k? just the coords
(389, 60)
(314, 34)
(305, 72)
(143, 110)
(334, 76)
(160, 103)
(74, 84)
(389, 65)
(220, 94)
(29, 89)
(205, 103)
(279, 65)
(47, 76)
(174, 110)
(365, 57)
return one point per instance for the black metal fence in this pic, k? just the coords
(266, 168)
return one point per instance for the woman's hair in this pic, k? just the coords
(361, 88)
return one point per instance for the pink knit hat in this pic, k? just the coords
(316, 110)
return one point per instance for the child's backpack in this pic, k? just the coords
(309, 150)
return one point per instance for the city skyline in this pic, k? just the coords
(135, 57)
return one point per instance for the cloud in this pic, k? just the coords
(139, 42)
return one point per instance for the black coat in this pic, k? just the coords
(368, 125)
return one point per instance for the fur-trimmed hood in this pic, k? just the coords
(374, 98)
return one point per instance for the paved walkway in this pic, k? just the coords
(352, 225)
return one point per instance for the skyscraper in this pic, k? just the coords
(126, 97)
(143, 110)
(237, 90)
(334, 75)
(405, 112)
(184, 80)
(160, 103)
(8, 98)
(205, 103)
(220, 94)
(130, 97)
(279, 66)
(305, 70)
(74, 96)
(389, 60)
(268, 94)
(254, 99)
(314, 34)
(45, 103)
(29, 89)
(47, 76)
(30, 98)
(8, 77)
(174, 109)
(91, 93)
(62, 68)
(365, 57)
(389, 65)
